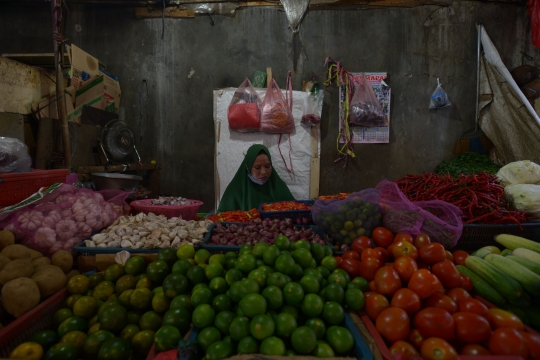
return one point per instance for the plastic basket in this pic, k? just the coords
(14, 188)
(224, 248)
(38, 319)
(293, 214)
(88, 251)
(476, 236)
(187, 212)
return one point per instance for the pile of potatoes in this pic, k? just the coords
(26, 276)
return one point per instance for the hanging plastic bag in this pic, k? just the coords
(295, 10)
(365, 108)
(14, 156)
(439, 98)
(244, 109)
(276, 117)
(311, 115)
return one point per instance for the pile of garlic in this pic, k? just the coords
(149, 232)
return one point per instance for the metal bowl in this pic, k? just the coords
(103, 181)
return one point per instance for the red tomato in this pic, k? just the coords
(404, 348)
(372, 286)
(458, 294)
(501, 318)
(375, 304)
(405, 267)
(404, 248)
(361, 243)
(466, 283)
(422, 265)
(382, 236)
(472, 306)
(339, 259)
(447, 272)
(441, 301)
(387, 280)
(471, 328)
(402, 236)
(415, 338)
(460, 256)
(449, 255)
(351, 254)
(351, 267)
(368, 267)
(435, 322)
(508, 341)
(369, 293)
(373, 253)
(474, 350)
(533, 344)
(393, 324)
(421, 240)
(390, 249)
(437, 349)
(432, 253)
(424, 283)
(407, 300)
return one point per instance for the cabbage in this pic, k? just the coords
(524, 197)
(519, 172)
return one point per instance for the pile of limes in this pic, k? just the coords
(279, 299)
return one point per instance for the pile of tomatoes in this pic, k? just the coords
(422, 306)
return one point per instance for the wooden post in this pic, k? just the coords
(268, 76)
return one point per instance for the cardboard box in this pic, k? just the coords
(102, 92)
(83, 66)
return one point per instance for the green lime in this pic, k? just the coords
(219, 350)
(354, 298)
(325, 272)
(285, 264)
(182, 301)
(167, 338)
(208, 336)
(242, 288)
(223, 321)
(277, 279)
(239, 328)
(266, 269)
(94, 342)
(293, 293)
(338, 278)
(303, 340)
(253, 304)
(333, 313)
(150, 320)
(62, 350)
(60, 315)
(273, 346)
(203, 316)
(78, 284)
(233, 275)
(144, 282)
(310, 284)
(248, 345)
(94, 280)
(317, 325)
(201, 296)
(231, 255)
(185, 251)
(85, 306)
(72, 324)
(214, 270)
(157, 271)
(246, 249)
(135, 265)
(218, 286)
(270, 255)
(202, 256)
(315, 273)
(312, 305)
(297, 272)
(103, 290)
(180, 318)
(285, 324)
(222, 302)
(289, 309)
(359, 283)
(246, 263)
(259, 249)
(168, 255)
(334, 292)
(45, 338)
(160, 302)
(196, 275)
(259, 276)
(282, 242)
(302, 244)
(140, 298)
(340, 339)
(323, 350)
(273, 296)
(129, 332)
(261, 327)
(199, 286)
(329, 262)
(134, 317)
(142, 342)
(230, 263)
(157, 290)
(114, 272)
(174, 285)
(317, 251)
(302, 257)
(217, 259)
(181, 267)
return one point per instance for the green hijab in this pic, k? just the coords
(244, 194)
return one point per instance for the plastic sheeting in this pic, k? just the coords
(506, 116)
(295, 10)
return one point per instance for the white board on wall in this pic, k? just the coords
(231, 146)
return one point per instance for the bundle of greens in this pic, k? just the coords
(467, 163)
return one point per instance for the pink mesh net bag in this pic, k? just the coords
(439, 219)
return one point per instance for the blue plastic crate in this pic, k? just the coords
(293, 214)
(360, 351)
(224, 248)
(83, 250)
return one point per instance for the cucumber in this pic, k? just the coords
(481, 253)
(506, 252)
(529, 315)
(535, 268)
(504, 284)
(527, 254)
(513, 242)
(525, 277)
(482, 287)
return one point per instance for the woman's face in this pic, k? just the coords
(262, 168)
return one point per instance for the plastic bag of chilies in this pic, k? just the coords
(439, 219)
(365, 109)
(244, 109)
(439, 98)
(276, 116)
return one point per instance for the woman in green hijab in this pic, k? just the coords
(255, 182)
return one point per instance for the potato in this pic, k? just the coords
(34, 254)
(63, 260)
(16, 251)
(19, 296)
(41, 261)
(16, 269)
(49, 279)
(3, 261)
(6, 238)
(72, 273)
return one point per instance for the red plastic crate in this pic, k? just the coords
(187, 212)
(16, 187)
(38, 319)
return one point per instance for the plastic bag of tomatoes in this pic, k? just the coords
(439, 219)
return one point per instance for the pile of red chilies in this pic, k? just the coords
(479, 196)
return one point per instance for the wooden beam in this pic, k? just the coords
(170, 12)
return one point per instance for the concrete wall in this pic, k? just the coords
(415, 46)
